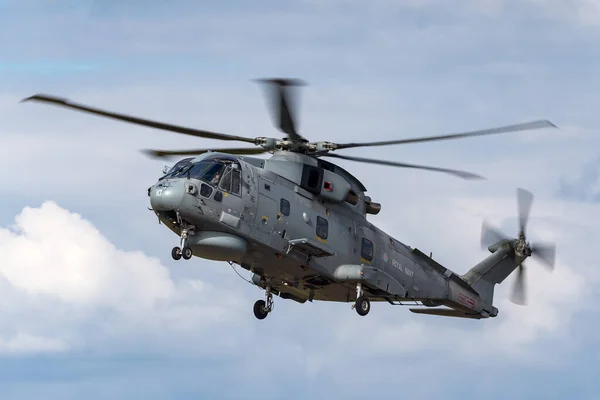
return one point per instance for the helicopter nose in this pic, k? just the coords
(167, 197)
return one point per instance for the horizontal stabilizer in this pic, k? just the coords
(445, 312)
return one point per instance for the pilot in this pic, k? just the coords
(216, 178)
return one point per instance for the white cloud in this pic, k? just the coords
(60, 254)
(23, 343)
(59, 275)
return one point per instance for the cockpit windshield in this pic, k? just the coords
(178, 167)
(211, 171)
(220, 171)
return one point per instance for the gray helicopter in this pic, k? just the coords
(299, 222)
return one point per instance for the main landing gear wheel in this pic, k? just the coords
(176, 253)
(187, 253)
(362, 305)
(260, 311)
(262, 308)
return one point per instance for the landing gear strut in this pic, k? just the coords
(362, 304)
(262, 308)
(182, 251)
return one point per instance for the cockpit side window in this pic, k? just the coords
(214, 174)
(231, 181)
(226, 181)
(236, 182)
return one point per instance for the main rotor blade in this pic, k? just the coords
(524, 201)
(168, 153)
(503, 129)
(135, 120)
(283, 106)
(460, 174)
(519, 293)
(546, 252)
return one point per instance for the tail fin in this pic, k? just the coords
(493, 270)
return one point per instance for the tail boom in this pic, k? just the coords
(471, 295)
(493, 270)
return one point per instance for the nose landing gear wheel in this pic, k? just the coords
(183, 250)
(187, 253)
(260, 309)
(363, 306)
(176, 253)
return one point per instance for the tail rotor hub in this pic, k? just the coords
(522, 248)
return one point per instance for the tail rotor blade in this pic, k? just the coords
(518, 296)
(546, 253)
(490, 235)
(524, 201)
(519, 247)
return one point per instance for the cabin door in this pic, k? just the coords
(230, 197)
(265, 218)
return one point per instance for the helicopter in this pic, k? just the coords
(299, 223)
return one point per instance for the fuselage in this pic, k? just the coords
(246, 214)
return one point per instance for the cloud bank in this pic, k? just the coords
(65, 287)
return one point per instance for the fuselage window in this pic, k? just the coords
(366, 250)
(284, 207)
(322, 227)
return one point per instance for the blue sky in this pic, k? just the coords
(91, 302)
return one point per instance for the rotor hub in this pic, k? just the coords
(522, 248)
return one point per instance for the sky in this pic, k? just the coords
(91, 303)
